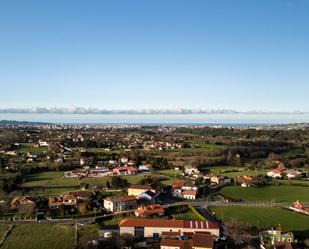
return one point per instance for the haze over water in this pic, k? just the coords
(195, 119)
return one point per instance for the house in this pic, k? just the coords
(99, 172)
(300, 208)
(189, 194)
(148, 195)
(291, 174)
(11, 153)
(184, 190)
(202, 241)
(192, 171)
(280, 169)
(23, 202)
(245, 181)
(276, 172)
(189, 186)
(137, 189)
(65, 200)
(43, 143)
(76, 173)
(143, 168)
(175, 244)
(219, 180)
(153, 228)
(83, 195)
(177, 188)
(124, 160)
(195, 241)
(150, 210)
(118, 204)
(129, 170)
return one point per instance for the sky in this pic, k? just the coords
(210, 54)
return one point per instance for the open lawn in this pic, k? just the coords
(268, 193)
(263, 217)
(47, 183)
(40, 236)
(232, 171)
(186, 215)
(33, 148)
(170, 172)
(88, 230)
(245, 172)
(49, 179)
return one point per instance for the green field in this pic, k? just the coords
(49, 179)
(187, 215)
(203, 148)
(291, 182)
(33, 148)
(263, 217)
(40, 236)
(269, 193)
(232, 171)
(47, 183)
(170, 172)
(3, 229)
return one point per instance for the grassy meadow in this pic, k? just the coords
(281, 193)
(263, 218)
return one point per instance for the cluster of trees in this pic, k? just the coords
(117, 182)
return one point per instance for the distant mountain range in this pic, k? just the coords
(82, 110)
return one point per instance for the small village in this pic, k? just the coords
(148, 186)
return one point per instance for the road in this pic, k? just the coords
(193, 203)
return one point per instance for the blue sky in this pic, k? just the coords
(244, 55)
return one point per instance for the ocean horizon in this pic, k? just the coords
(169, 119)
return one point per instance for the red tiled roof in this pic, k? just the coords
(150, 223)
(150, 210)
(203, 240)
(178, 184)
(182, 244)
(189, 192)
(170, 234)
(194, 224)
(279, 169)
(123, 198)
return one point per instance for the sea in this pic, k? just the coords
(162, 119)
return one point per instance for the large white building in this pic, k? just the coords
(153, 228)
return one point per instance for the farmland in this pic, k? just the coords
(269, 193)
(232, 171)
(49, 183)
(40, 237)
(263, 217)
(46, 183)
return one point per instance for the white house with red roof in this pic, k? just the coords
(276, 172)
